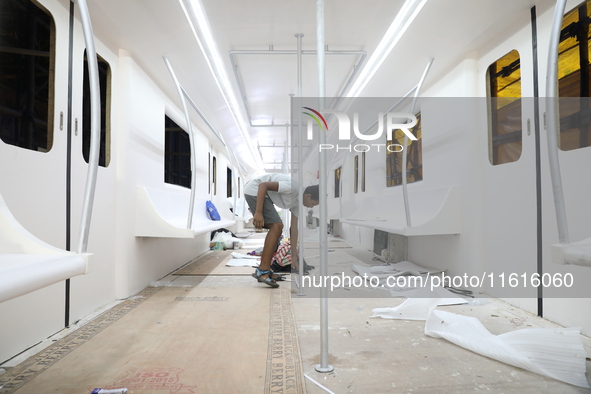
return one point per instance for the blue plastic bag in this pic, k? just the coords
(212, 211)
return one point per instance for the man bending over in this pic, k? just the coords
(261, 194)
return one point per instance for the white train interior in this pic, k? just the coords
(101, 202)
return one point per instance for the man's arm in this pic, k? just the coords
(258, 219)
(293, 239)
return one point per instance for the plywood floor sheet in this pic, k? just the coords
(175, 340)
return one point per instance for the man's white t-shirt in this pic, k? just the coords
(285, 197)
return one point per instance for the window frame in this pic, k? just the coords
(505, 109)
(337, 181)
(177, 154)
(414, 157)
(574, 79)
(105, 142)
(40, 139)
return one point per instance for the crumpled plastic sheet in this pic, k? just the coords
(419, 304)
(236, 255)
(410, 309)
(242, 263)
(554, 352)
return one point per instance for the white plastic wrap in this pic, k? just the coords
(554, 352)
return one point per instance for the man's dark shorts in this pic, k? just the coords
(269, 212)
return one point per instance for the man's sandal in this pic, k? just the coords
(269, 280)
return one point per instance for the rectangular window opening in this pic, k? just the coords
(177, 154)
(27, 63)
(337, 182)
(414, 157)
(504, 94)
(574, 79)
(356, 174)
(105, 94)
(229, 184)
(362, 171)
(214, 176)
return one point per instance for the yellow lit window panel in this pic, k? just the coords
(574, 76)
(505, 119)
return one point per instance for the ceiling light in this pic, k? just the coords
(199, 22)
(404, 18)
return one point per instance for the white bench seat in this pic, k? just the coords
(163, 214)
(21, 274)
(432, 211)
(27, 263)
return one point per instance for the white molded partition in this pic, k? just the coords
(163, 214)
(433, 212)
(27, 263)
(575, 253)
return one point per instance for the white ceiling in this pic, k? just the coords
(148, 29)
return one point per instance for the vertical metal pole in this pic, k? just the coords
(191, 141)
(285, 170)
(323, 366)
(554, 122)
(300, 169)
(539, 240)
(69, 159)
(95, 127)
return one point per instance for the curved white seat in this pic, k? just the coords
(575, 253)
(163, 214)
(433, 212)
(27, 263)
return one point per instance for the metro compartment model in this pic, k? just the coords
(482, 173)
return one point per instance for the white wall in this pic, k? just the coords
(498, 215)
(34, 189)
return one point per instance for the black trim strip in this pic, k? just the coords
(69, 158)
(540, 267)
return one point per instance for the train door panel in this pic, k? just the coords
(34, 70)
(509, 181)
(101, 237)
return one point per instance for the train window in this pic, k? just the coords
(229, 184)
(214, 176)
(504, 90)
(105, 92)
(574, 78)
(356, 174)
(414, 157)
(362, 171)
(337, 182)
(177, 154)
(27, 47)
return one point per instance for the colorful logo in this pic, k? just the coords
(316, 117)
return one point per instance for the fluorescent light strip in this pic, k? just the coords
(404, 18)
(197, 18)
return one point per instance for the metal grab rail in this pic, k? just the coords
(553, 124)
(405, 150)
(300, 167)
(323, 366)
(191, 141)
(218, 135)
(95, 127)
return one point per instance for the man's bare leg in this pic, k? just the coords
(270, 245)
